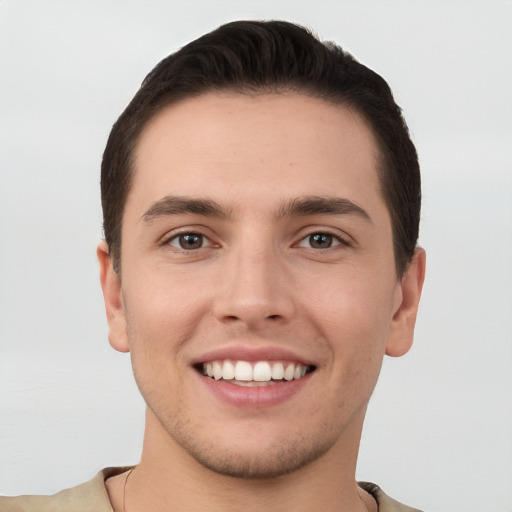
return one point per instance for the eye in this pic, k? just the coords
(189, 241)
(320, 241)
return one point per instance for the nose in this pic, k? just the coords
(255, 289)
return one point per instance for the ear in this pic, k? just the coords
(112, 295)
(408, 298)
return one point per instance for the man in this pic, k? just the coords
(261, 201)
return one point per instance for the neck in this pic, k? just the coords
(168, 474)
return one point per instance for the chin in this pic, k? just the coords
(257, 461)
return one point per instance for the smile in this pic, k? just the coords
(260, 373)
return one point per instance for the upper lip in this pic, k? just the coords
(251, 354)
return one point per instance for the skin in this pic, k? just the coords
(256, 283)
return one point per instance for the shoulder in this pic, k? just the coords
(386, 504)
(90, 496)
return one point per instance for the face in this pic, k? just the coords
(258, 291)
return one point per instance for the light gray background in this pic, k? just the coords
(438, 434)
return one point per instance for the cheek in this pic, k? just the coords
(161, 314)
(354, 315)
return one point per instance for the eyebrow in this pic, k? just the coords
(302, 206)
(319, 205)
(176, 205)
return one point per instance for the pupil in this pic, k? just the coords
(191, 241)
(320, 240)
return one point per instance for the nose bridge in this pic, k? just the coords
(254, 288)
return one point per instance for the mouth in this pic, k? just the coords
(254, 374)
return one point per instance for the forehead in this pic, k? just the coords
(231, 145)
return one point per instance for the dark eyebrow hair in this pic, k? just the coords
(318, 205)
(175, 205)
(302, 206)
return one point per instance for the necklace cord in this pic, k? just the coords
(124, 488)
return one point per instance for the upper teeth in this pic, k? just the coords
(261, 371)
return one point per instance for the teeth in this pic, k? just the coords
(289, 372)
(228, 370)
(217, 370)
(243, 370)
(261, 372)
(277, 371)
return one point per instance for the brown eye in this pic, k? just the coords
(188, 241)
(320, 240)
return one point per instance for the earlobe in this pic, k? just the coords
(404, 319)
(112, 295)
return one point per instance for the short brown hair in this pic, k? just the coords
(274, 56)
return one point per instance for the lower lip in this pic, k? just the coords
(255, 397)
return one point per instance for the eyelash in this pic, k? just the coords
(334, 240)
(177, 236)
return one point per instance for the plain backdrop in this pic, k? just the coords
(439, 428)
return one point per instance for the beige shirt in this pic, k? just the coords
(92, 497)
